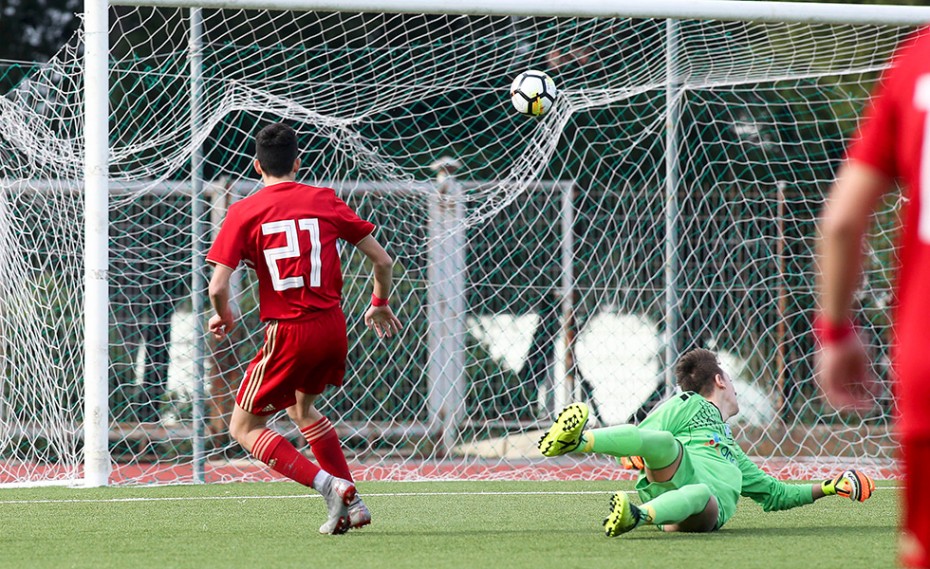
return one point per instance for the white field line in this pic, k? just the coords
(304, 496)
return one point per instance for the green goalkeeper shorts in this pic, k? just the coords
(697, 470)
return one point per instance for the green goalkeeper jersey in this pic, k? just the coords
(716, 459)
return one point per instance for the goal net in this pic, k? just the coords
(668, 201)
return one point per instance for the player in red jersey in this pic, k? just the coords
(287, 233)
(892, 144)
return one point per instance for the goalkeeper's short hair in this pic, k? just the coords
(695, 371)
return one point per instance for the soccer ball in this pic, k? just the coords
(533, 93)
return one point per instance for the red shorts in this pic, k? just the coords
(305, 355)
(915, 542)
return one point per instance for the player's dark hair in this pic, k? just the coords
(276, 149)
(696, 370)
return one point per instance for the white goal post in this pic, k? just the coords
(666, 202)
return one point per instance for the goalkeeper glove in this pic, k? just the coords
(632, 462)
(850, 484)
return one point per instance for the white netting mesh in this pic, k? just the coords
(531, 254)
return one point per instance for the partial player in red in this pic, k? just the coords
(892, 144)
(287, 233)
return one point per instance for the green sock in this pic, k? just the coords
(676, 505)
(658, 448)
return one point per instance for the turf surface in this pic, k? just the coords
(536, 525)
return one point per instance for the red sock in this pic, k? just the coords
(275, 451)
(325, 445)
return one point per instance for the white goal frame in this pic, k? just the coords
(97, 462)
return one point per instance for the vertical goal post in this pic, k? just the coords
(96, 242)
(695, 158)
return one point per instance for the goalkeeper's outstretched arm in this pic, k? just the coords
(773, 494)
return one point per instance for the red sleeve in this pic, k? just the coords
(227, 248)
(350, 226)
(875, 142)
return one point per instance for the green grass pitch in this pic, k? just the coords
(536, 525)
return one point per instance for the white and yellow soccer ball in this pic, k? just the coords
(533, 93)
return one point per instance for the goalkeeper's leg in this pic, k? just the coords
(659, 449)
(690, 508)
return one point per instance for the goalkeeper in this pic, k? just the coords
(692, 471)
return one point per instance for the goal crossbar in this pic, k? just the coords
(791, 12)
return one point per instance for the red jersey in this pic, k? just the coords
(287, 232)
(893, 138)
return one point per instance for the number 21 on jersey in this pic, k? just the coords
(291, 250)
